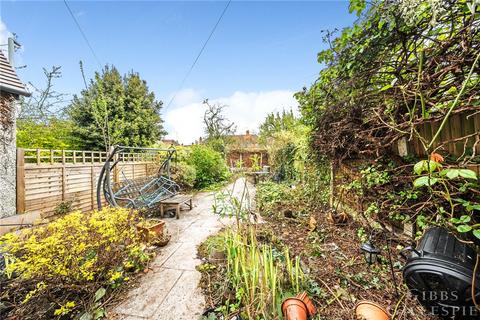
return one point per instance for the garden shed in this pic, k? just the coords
(11, 88)
(244, 150)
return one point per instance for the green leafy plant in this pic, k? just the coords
(52, 133)
(374, 176)
(64, 207)
(227, 204)
(239, 164)
(270, 196)
(351, 118)
(259, 278)
(184, 174)
(256, 166)
(431, 174)
(210, 166)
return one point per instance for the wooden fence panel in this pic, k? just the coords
(46, 178)
(459, 137)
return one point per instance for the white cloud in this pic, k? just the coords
(4, 35)
(184, 97)
(247, 109)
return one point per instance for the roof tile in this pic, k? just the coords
(9, 81)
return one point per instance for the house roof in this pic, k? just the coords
(9, 81)
(170, 141)
(247, 142)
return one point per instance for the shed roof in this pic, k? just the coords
(9, 81)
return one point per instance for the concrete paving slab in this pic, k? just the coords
(185, 301)
(198, 233)
(127, 317)
(145, 299)
(165, 254)
(184, 258)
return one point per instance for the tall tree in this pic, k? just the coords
(116, 110)
(41, 122)
(141, 105)
(216, 124)
(275, 122)
(43, 102)
(217, 127)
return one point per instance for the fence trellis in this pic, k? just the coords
(44, 156)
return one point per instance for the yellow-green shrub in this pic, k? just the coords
(184, 174)
(56, 269)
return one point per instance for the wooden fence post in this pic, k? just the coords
(92, 186)
(116, 172)
(476, 125)
(64, 176)
(332, 184)
(64, 182)
(20, 180)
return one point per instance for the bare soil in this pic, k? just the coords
(332, 259)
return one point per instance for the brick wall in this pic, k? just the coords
(246, 157)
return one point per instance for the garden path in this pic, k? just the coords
(170, 289)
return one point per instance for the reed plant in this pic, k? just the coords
(260, 277)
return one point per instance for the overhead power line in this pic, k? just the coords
(83, 34)
(199, 54)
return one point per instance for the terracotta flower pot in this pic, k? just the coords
(151, 229)
(310, 307)
(294, 309)
(367, 310)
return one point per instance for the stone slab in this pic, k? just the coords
(166, 252)
(144, 300)
(185, 301)
(184, 258)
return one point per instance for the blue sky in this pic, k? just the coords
(259, 55)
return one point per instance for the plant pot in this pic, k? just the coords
(310, 307)
(151, 229)
(294, 309)
(367, 310)
(162, 240)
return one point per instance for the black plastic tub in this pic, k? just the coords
(439, 273)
